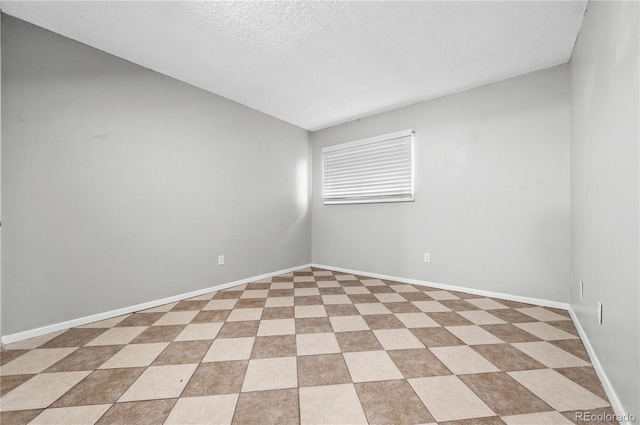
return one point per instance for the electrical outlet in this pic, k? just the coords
(427, 257)
(581, 289)
(221, 260)
(599, 312)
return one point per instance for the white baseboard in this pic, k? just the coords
(490, 294)
(616, 404)
(8, 339)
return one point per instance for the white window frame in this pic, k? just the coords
(375, 198)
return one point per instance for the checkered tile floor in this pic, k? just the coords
(312, 347)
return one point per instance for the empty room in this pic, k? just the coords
(320, 212)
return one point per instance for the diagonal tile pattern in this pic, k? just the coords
(308, 347)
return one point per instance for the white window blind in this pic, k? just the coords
(379, 169)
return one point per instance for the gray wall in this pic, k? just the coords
(491, 189)
(121, 185)
(604, 189)
(0, 179)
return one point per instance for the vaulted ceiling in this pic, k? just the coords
(316, 64)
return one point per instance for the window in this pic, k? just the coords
(379, 169)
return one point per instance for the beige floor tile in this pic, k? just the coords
(542, 314)
(558, 391)
(229, 349)
(282, 285)
(346, 277)
(487, 304)
(77, 415)
(348, 323)
(107, 323)
(277, 327)
(271, 374)
(220, 304)
(305, 292)
(210, 410)
(416, 320)
(335, 299)
(176, 318)
(545, 331)
(441, 295)
(31, 343)
(481, 317)
(316, 343)
(549, 355)
(236, 288)
(462, 359)
(199, 331)
(160, 382)
(366, 366)
(474, 335)
(118, 336)
(161, 308)
(243, 314)
(41, 390)
(279, 302)
(356, 290)
(330, 405)
(448, 399)
(372, 308)
(255, 293)
(390, 297)
(136, 355)
(430, 306)
(397, 339)
(547, 418)
(404, 288)
(304, 279)
(372, 282)
(35, 361)
(304, 311)
(328, 284)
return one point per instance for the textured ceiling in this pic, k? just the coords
(316, 64)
